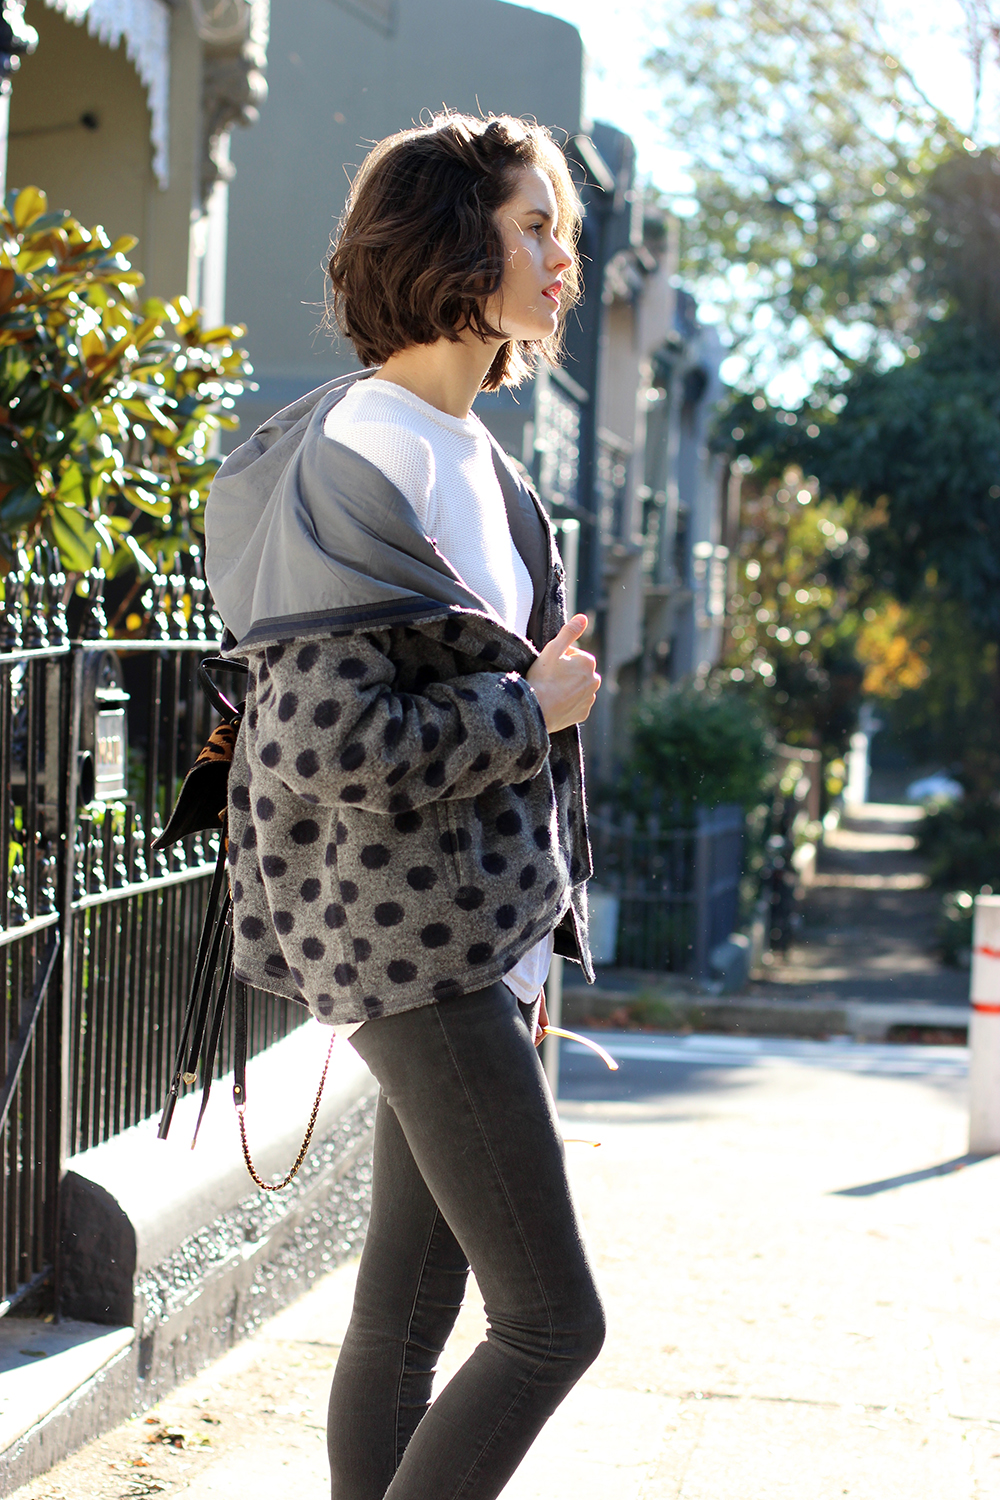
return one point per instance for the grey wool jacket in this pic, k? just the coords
(402, 827)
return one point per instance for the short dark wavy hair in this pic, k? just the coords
(419, 251)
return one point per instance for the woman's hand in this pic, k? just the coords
(564, 679)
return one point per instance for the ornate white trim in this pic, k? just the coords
(145, 25)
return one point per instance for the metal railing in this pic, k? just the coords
(678, 888)
(98, 932)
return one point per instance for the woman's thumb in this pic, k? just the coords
(571, 631)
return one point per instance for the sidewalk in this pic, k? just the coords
(800, 1274)
(868, 920)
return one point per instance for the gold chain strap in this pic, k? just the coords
(275, 1187)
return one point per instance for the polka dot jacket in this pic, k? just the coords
(402, 827)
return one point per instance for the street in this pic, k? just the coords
(799, 1268)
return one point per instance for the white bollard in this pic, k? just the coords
(984, 1029)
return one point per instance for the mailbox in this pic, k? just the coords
(103, 729)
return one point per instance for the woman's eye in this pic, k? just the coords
(537, 228)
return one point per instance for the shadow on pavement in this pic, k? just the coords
(869, 1189)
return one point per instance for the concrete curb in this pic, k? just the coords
(865, 1021)
(181, 1253)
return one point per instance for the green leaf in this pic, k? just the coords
(74, 533)
(20, 507)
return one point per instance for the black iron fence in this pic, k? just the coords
(678, 888)
(98, 932)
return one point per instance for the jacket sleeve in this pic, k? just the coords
(329, 722)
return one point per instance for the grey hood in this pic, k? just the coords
(305, 537)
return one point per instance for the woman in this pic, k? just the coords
(407, 830)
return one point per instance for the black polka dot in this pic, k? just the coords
(494, 864)
(287, 705)
(408, 822)
(307, 657)
(340, 832)
(252, 928)
(490, 651)
(250, 837)
(298, 976)
(326, 714)
(265, 809)
(313, 949)
(309, 890)
(521, 788)
(435, 773)
(374, 856)
(351, 669)
(435, 935)
(348, 892)
(239, 796)
(447, 989)
(504, 724)
(344, 974)
(401, 971)
(373, 1007)
(527, 877)
(330, 858)
(305, 831)
(508, 823)
(273, 865)
(480, 953)
(362, 950)
(335, 916)
(542, 837)
(275, 963)
(469, 897)
(352, 756)
(353, 793)
(526, 931)
(452, 630)
(283, 922)
(482, 761)
(253, 718)
(397, 773)
(271, 754)
(237, 890)
(455, 841)
(529, 758)
(512, 687)
(307, 763)
(391, 733)
(274, 654)
(560, 771)
(388, 914)
(399, 802)
(422, 878)
(506, 916)
(550, 890)
(468, 695)
(264, 674)
(430, 734)
(325, 1004)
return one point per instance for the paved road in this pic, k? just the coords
(800, 1267)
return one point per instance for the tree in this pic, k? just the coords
(810, 141)
(107, 405)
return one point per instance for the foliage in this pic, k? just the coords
(694, 745)
(107, 406)
(954, 926)
(961, 843)
(893, 654)
(810, 141)
(802, 586)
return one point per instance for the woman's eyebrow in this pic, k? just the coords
(540, 213)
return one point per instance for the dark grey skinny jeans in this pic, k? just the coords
(469, 1169)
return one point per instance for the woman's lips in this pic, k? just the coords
(553, 291)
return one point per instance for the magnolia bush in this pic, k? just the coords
(108, 403)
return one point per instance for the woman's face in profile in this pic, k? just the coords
(527, 305)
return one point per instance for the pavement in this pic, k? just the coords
(799, 1264)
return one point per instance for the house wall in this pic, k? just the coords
(104, 175)
(337, 81)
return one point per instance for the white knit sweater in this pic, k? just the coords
(444, 467)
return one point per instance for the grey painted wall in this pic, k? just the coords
(335, 82)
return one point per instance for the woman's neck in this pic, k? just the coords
(444, 374)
